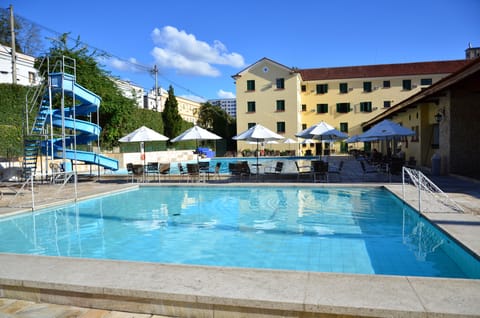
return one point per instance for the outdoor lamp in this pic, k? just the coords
(439, 116)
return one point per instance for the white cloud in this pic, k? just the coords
(130, 65)
(224, 94)
(182, 51)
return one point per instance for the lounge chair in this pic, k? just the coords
(368, 170)
(130, 171)
(276, 169)
(183, 173)
(336, 170)
(152, 169)
(193, 172)
(319, 170)
(302, 169)
(215, 171)
(164, 170)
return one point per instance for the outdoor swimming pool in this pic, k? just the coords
(325, 229)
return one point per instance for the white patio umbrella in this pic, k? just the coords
(196, 133)
(142, 135)
(290, 141)
(385, 129)
(323, 132)
(258, 133)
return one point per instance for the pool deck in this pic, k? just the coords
(39, 286)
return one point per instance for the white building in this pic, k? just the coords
(27, 75)
(227, 104)
(130, 90)
(188, 109)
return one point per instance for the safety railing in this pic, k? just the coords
(57, 185)
(430, 197)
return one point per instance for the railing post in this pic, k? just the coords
(420, 181)
(33, 193)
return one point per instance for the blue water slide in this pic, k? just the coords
(86, 132)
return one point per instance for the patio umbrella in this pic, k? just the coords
(290, 141)
(258, 133)
(323, 132)
(386, 129)
(142, 135)
(196, 133)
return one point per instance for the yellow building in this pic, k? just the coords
(288, 100)
(445, 117)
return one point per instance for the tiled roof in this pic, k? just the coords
(382, 70)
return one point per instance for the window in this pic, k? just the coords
(343, 107)
(304, 88)
(386, 84)
(280, 105)
(387, 103)
(366, 107)
(322, 108)
(426, 81)
(304, 126)
(322, 88)
(407, 85)
(304, 107)
(343, 87)
(344, 127)
(31, 77)
(280, 127)
(250, 85)
(250, 125)
(280, 83)
(250, 107)
(367, 87)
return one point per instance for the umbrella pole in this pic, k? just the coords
(257, 160)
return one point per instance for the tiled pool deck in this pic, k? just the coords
(33, 286)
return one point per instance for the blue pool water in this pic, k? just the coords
(347, 230)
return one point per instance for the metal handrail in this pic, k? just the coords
(424, 184)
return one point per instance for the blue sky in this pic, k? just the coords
(198, 45)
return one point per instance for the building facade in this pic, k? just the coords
(288, 100)
(229, 105)
(27, 75)
(130, 90)
(445, 117)
(188, 109)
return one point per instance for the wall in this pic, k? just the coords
(463, 117)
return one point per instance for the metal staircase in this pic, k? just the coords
(32, 140)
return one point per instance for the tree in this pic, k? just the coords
(172, 121)
(27, 34)
(116, 111)
(217, 120)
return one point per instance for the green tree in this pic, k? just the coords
(27, 34)
(12, 108)
(172, 120)
(116, 111)
(217, 120)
